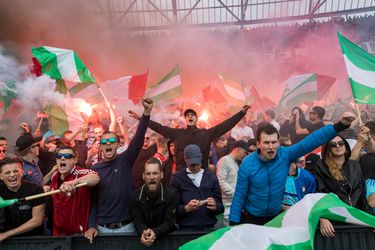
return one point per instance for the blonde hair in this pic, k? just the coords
(333, 168)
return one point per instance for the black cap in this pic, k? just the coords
(190, 111)
(25, 141)
(241, 144)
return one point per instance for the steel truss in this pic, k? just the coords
(170, 14)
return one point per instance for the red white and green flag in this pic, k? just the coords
(167, 88)
(119, 91)
(63, 64)
(293, 229)
(361, 70)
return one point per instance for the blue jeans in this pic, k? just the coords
(128, 228)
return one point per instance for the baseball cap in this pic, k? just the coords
(52, 138)
(241, 144)
(192, 154)
(190, 111)
(25, 141)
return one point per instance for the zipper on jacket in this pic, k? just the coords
(269, 190)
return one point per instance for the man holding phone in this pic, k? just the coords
(199, 193)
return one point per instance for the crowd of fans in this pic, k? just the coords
(242, 170)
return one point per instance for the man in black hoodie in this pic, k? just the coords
(194, 135)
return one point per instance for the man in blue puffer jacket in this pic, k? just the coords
(262, 176)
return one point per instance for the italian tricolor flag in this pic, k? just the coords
(63, 64)
(293, 229)
(361, 70)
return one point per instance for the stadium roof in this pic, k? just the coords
(140, 15)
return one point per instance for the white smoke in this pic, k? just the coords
(35, 92)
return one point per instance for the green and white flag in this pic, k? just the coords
(63, 64)
(235, 91)
(299, 89)
(293, 229)
(361, 70)
(167, 88)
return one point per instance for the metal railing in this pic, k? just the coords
(347, 237)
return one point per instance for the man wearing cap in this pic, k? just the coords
(194, 135)
(227, 169)
(28, 149)
(198, 192)
(262, 175)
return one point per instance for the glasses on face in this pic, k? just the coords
(335, 144)
(110, 140)
(66, 156)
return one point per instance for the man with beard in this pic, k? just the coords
(110, 210)
(23, 218)
(153, 205)
(262, 175)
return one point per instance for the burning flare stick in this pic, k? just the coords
(6, 203)
(87, 110)
(41, 116)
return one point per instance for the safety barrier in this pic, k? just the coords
(347, 238)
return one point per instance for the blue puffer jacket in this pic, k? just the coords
(260, 184)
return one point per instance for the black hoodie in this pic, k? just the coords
(352, 190)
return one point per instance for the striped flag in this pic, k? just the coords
(234, 90)
(299, 89)
(361, 70)
(167, 88)
(8, 92)
(63, 64)
(293, 229)
(119, 91)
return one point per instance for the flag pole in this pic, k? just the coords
(359, 114)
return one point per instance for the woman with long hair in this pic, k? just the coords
(337, 174)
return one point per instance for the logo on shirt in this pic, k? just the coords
(29, 172)
(303, 189)
(24, 207)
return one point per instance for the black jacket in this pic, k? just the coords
(186, 191)
(195, 135)
(352, 190)
(160, 217)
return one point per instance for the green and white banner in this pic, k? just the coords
(299, 89)
(293, 229)
(167, 88)
(361, 70)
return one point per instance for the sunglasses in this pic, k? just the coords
(333, 144)
(110, 140)
(66, 156)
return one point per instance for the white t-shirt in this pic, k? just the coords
(239, 133)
